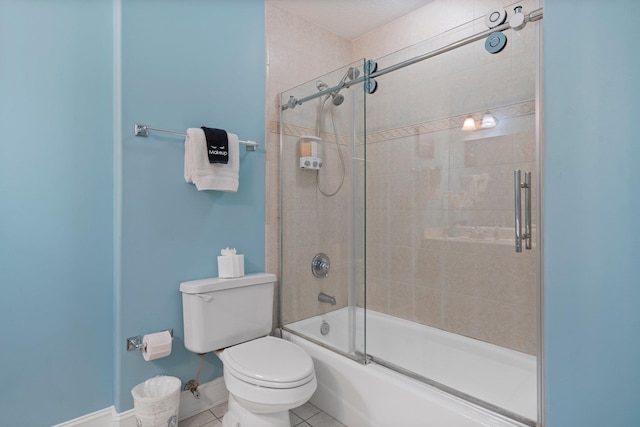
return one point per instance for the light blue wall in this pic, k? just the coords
(592, 212)
(56, 233)
(184, 64)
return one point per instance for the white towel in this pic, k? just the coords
(207, 176)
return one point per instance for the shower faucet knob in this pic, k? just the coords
(320, 266)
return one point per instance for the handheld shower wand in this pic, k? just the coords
(336, 99)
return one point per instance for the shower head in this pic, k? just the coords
(352, 73)
(336, 97)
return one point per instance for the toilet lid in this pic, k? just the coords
(269, 362)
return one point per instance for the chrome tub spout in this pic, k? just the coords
(322, 297)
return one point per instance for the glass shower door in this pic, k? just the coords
(322, 211)
(449, 299)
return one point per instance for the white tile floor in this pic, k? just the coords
(306, 415)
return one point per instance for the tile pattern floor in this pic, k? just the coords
(306, 415)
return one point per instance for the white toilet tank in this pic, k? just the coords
(219, 313)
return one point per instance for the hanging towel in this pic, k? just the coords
(210, 176)
(217, 145)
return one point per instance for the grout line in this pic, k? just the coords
(303, 422)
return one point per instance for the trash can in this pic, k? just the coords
(156, 402)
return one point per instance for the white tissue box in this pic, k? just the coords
(230, 266)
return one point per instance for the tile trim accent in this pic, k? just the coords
(503, 112)
(297, 131)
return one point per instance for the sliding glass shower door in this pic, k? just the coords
(402, 191)
(443, 139)
(322, 210)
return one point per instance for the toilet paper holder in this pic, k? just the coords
(135, 343)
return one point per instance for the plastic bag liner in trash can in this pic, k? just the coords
(156, 402)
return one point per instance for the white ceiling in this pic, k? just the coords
(350, 18)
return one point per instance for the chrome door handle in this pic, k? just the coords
(527, 210)
(518, 215)
(517, 186)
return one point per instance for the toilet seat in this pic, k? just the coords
(269, 362)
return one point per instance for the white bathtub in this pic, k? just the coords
(372, 395)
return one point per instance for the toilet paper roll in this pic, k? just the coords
(156, 345)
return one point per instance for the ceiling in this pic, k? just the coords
(350, 19)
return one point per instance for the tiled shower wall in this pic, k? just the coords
(315, 223)
(423, 175)
(297, 51)
(423, 264)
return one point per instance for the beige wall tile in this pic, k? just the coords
(494, 322)
(428, 306)
(525, 329)
(401, 298)
(429, 267)
(459, 314)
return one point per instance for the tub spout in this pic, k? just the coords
(322, 297)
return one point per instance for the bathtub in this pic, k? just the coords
(372, 395)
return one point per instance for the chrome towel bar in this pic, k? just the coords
(143, 130)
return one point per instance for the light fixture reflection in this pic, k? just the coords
(469, 124)
(488, 121)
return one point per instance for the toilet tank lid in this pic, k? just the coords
(217, 284)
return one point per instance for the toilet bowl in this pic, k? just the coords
(265, 376)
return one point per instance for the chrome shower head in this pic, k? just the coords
(352, 73)
(337, 98)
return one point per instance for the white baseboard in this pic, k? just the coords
(123, 419)
(212, 394)
(102, 418)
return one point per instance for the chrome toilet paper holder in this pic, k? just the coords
(135, 343)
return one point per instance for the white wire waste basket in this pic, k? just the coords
(156, 402)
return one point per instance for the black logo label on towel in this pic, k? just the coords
(217, 145)
(217, 152)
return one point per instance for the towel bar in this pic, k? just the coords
(143, 130)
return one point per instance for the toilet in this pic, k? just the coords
(265, 376)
